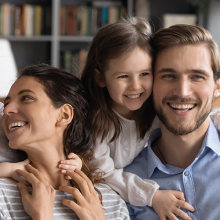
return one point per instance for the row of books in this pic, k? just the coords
(73, 61)
(26, 20)
(86, 20)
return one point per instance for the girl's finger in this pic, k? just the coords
(71, 204)
(185, 205)
(72, 156)
(67, 167)
(182, 214)
(178, 195)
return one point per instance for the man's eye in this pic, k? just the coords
(198, 77)
(168, 76)
(123, 76)
(144, 74)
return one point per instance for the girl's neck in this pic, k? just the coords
(46, 161)
(130, 115)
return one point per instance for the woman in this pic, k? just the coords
(45, 115)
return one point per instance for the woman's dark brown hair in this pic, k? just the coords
(62, 87)
(110, 42)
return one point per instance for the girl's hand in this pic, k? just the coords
(21, 166)
(88, 206)
(71, 164)
(166, 203)
(40, 204)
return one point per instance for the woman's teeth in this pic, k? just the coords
(133, 96)
(14, 125)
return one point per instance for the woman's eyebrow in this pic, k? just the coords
(22, 91)
(25, 90)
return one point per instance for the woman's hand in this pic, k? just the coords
(88, 206)
(166, 203)
(40, 204)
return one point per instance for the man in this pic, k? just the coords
(184, 155)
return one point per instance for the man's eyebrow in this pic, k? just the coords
(165, 70)
(22, 91)
(200, 71)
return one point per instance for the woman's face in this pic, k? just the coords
(29, 116)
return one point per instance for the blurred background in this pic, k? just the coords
(59, 32)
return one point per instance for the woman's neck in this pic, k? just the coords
(46, 160)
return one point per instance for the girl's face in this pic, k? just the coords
(29, 116)
(129, 80)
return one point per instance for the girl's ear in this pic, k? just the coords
(217, 89)
(66, 115)
(99, 78)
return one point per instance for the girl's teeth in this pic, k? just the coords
(133, 96)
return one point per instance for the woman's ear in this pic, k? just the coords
(217, 89)
(66, 115)
(99, 78)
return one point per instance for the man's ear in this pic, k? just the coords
(217, 89)
(99, 78)
(66, 115)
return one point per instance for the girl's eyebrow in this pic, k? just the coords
(22, 91)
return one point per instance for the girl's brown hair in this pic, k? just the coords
(110, 42)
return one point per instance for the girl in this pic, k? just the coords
(118, 76)
(45, 115)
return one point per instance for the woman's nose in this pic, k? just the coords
(10, 108)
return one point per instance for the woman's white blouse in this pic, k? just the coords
(113, 157)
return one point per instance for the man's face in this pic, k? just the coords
(184, 87)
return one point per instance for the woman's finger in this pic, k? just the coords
(84, 188)
(73, 191)
(36, 173)
(67, 167)
(24, 192)
(83, 175)
(71, 204)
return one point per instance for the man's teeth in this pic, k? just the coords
(14, 125)
(181, 107)
(133, 96)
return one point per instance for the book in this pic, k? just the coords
(113, 15)
(75, 21)
(29, 21)
(94, 24)
(104, 16)
(23, 19)
(17, 20)
(37, 20)
(84, 20)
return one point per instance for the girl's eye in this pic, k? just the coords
(144, 74)
(123, 76)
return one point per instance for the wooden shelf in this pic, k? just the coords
(27, 38)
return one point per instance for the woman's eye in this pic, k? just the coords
(5, 104)
(123, 76)
(26, 98)
(144, 74)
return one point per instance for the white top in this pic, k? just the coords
(113, 157)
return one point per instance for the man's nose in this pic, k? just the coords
(182, 88)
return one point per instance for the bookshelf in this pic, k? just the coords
(46, 48)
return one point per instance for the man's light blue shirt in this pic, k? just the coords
(200, 182)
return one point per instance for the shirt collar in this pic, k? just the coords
(212, 141)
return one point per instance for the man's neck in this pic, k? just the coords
(180, 151)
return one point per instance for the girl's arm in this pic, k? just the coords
(139, 192)
(8, 170)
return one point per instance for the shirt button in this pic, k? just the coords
(133, 144)
(186, 173)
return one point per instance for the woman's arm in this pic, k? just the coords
(39, 205)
